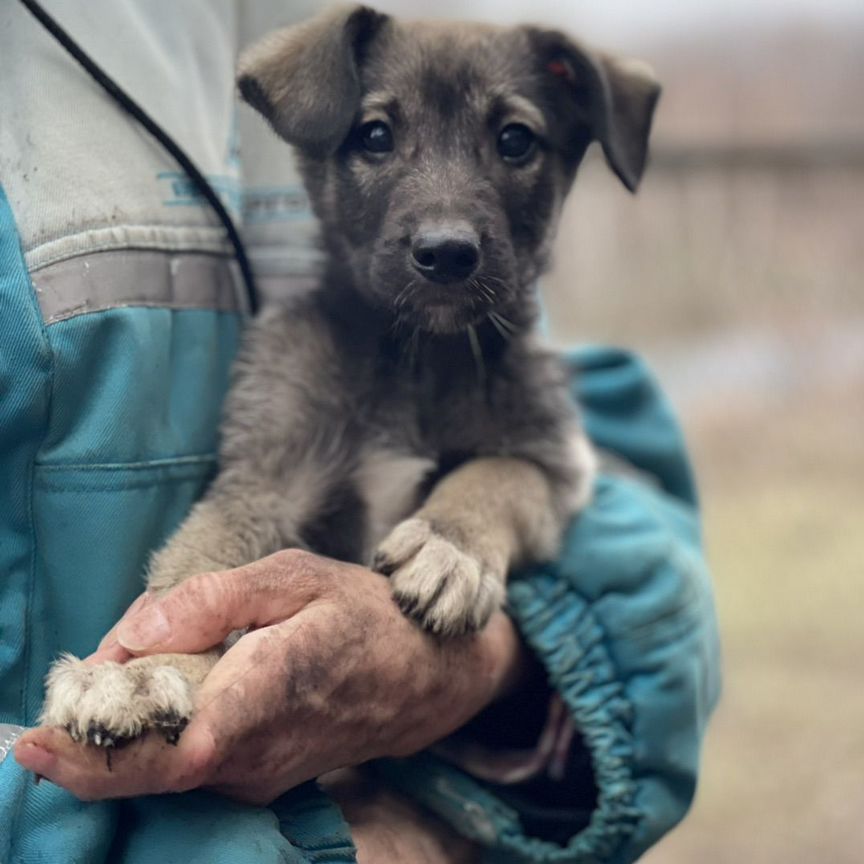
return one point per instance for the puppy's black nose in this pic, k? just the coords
(446, 253)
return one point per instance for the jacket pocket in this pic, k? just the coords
(94, 527)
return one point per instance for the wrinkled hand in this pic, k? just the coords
(330, 674)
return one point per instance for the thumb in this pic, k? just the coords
(200, 612)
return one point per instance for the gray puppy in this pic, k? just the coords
(402, 414)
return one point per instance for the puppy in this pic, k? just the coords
(402, 414)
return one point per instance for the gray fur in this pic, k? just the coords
(384, 418)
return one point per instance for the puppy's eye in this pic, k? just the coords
(516, 143)
(376, 137)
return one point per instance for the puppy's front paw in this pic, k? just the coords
(111, 704)
(435, 581)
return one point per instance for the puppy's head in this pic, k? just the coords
(437, 156)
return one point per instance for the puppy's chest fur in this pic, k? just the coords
(382, 416)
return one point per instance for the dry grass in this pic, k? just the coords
(782, 781)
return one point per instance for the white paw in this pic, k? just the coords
(446, 589)
(110, 704)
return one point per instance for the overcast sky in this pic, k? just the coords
(635, 16)
(633, 19)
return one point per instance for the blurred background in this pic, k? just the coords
(738, 271)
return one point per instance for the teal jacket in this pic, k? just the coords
(108, 425)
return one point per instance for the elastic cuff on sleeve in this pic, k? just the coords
(560, 628)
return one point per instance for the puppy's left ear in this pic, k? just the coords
(615, 99)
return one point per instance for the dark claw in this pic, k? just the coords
(100, 736)
(453, 631)
(408, 605)
(382, 564)
(417, 611)
(170, 726)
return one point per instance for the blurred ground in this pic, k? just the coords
(744, 287)
(783, 492)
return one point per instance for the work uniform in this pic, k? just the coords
(120, 311)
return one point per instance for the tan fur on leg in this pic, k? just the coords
(449, 562)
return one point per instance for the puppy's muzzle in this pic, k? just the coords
(445, 252)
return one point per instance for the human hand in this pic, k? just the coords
(331, 674)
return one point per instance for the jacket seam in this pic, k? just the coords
(143, 465)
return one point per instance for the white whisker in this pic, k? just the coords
(505, 322)
(503, 333)
(477, 351)
(487, 292)
(403, 295)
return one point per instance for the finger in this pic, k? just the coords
(111, 636)
(109, 648)
(145, 767)
(113, 651)
(200, 612)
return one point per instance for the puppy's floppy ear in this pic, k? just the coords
(305, 79)
(615, 98)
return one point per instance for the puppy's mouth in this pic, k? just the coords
(445, 308)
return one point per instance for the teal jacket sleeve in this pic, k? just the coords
(624, 624)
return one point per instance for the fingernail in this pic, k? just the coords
(143, 630)
(110, 638)
(37, 759)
